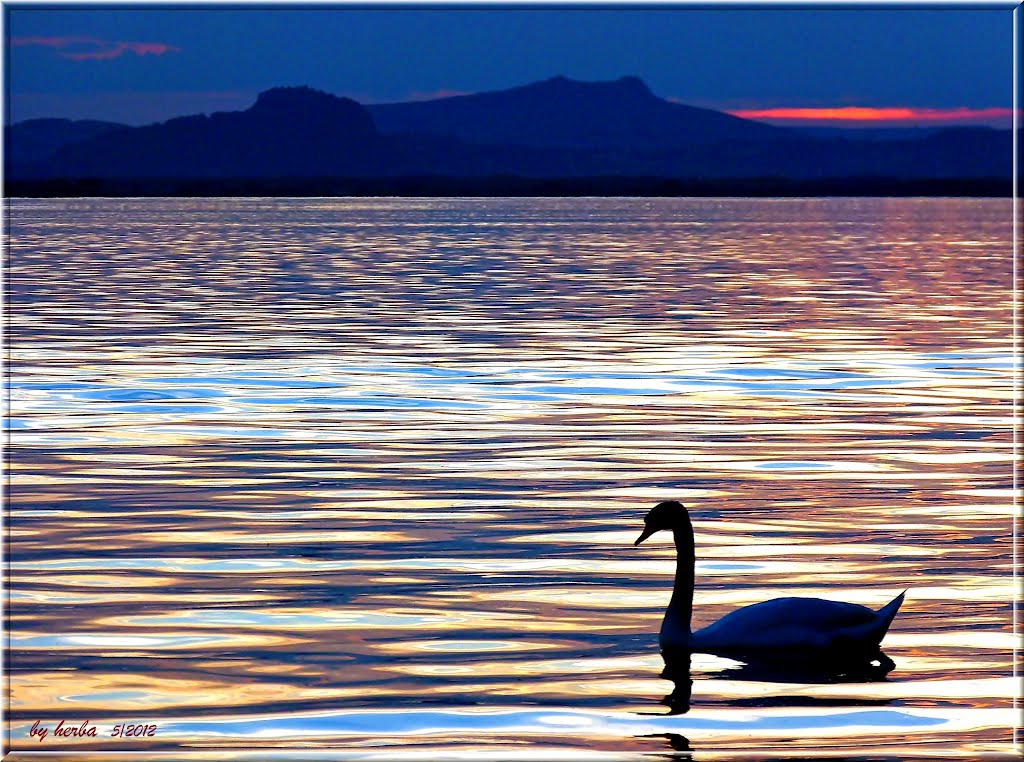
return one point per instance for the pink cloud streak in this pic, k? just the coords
(93, 49)
(876, 115)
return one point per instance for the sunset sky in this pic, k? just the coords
(798, 65)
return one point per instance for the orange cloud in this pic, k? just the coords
(875, 115)
(78, 48)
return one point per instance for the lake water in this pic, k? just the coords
(364, 475)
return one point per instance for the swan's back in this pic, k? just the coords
(797, 623)
(810, 612)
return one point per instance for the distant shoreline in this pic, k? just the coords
(506, 185)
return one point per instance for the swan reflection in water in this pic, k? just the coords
(678, 671)
(805, 633)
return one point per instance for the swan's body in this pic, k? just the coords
(805, 626)
(781, 629)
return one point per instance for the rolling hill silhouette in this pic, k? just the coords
(563, 113)
(553, 129)
(289, 131)
(37, 139)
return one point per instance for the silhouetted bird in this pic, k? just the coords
(800, 630)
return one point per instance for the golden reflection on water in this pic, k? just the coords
(365, 474)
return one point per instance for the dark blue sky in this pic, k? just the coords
(143, 65)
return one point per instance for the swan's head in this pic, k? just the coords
(670, 514)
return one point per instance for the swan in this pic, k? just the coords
(807, 630)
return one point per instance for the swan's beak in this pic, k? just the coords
(648, 531)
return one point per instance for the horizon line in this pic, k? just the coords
(852, 117)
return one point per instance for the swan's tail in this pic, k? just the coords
(885, 616)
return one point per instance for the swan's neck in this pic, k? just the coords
(680, 607)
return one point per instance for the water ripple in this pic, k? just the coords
(363, 475)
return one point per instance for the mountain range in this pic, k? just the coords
(557, 128)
